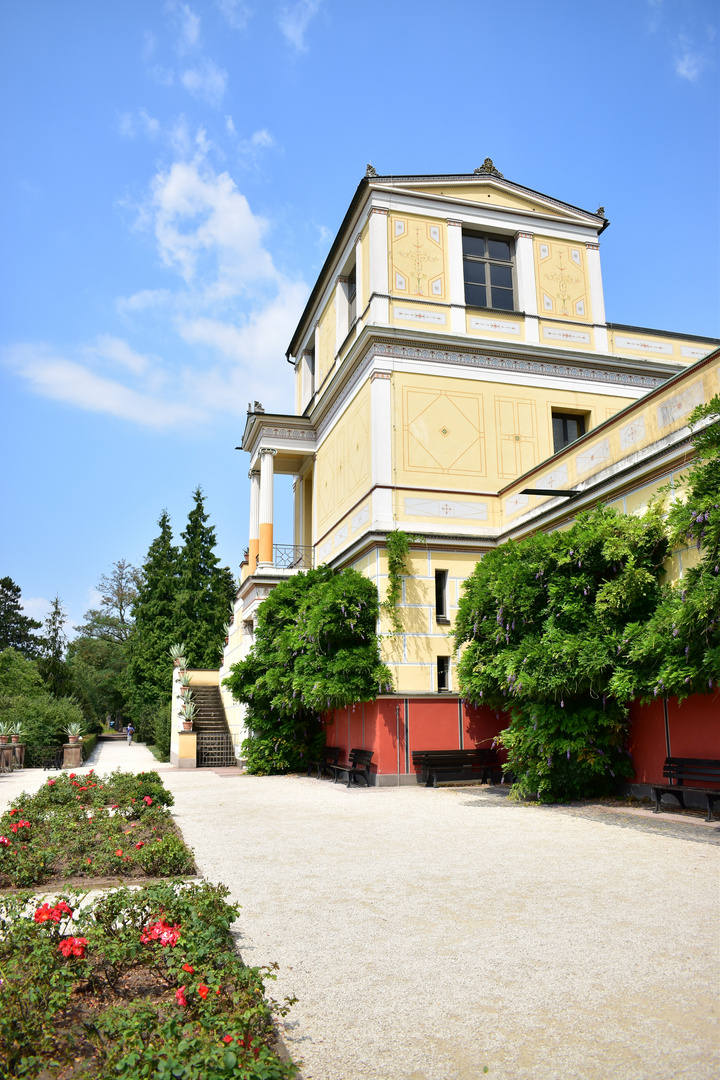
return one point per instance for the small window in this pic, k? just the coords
(443, 673)
(488, 271)
(441, 614)
(352, 298)
(567, 427)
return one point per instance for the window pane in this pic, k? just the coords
(475, 295)
(502, 298)
(558, 434)
(498, 249)
(501, 275)
(473, 245)
(474, 271)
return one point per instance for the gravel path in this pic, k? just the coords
(430, 934)
(433, 934)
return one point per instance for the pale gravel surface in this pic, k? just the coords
(429, 933)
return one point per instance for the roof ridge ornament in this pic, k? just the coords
(370, 173)
(600, 211)
(488, 169)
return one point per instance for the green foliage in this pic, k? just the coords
(160, 728)
(316, 648)
(126, 1003)
(18, 675)
(676, 652)
(51, 664)
(112, 621)
(542, 626)
(91, 826)
(398, 546)
(16, 628)
(89, 742)
(205, 591)
(43, 720)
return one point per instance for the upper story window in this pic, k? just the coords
(352, 297)
(567, 427)
(488, 271)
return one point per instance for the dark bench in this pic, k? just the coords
(51, 757)
(330, 757)
(692, 771)
(469, 764)
(358, 765)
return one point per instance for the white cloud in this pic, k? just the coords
(117, 351)
(54, 376)
(130, 125)
(143, 300)
(690, 61)
(207, 82)
(161, 75)
(236, 13)
(294, 20)
(262, 138)
(187, 25)
(229, 125)
(36, 607)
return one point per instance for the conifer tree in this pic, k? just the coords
(16, 629)
(205, 591)
(52, 664)
(148, 676)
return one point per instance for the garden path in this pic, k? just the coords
(429, 934)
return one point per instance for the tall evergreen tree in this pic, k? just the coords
(52, 664)
(148, 676)
(16, 628)
(205, 591)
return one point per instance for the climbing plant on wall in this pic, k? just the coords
(315, 648)
(397, 545)
(541, 630)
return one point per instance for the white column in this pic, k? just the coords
(360, 298)
(456, 277)
(382, 448)
(266, 507)
(597, 300)
(380, 309)
(527, 290)
(254, 542)
(342, 311)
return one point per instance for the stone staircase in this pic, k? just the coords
(214, 743)
(210, 717)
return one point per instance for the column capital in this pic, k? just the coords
(380, 375)
(593, 247)
(527, 235)
(341, 279)
(267, 450)
(378, 210)
(453, 221)
(253, 472)
(358, 239)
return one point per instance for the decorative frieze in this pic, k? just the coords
(632, 433)
(644, 345)
(413, 315)
(594, 455)
(577, 337)
(288, 433)
(497, 325)
(443, 508)
(680, 405)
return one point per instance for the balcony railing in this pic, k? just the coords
(292, 557)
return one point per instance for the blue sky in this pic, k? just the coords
(173, 176)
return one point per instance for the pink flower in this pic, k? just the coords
(203, 991)
(51, 782)
(162, 932)
(4, 841)
(147, 800)
(119, 853)
(180, 997)
(227, 1038)
(73, 946)
(45, 914)
(140, 844)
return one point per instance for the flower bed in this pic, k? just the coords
(79, 827)
(142, 982)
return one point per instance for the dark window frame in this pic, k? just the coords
(488, 260)
(352, 297)
(562, 423)
(443, 674)
(441, 605)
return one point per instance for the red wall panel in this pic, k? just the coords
(647, 741)
(695, 726)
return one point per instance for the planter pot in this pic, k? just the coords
(4, 739)
(73, 739)
(187, 725)
(15, 738)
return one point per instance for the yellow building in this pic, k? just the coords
(454, 352)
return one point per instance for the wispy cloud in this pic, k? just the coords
(237, 13)
(689, 61)
(138, 123)
(294, 20)
(36, 607)
(207, 82)
(230, 308)
(186, 23)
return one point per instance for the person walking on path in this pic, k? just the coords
(130, 732)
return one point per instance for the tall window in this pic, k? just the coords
(443, 673)
(567, 427)
(352, 298)
(441, 614)
(488, 271)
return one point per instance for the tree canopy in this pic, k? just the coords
(16, 628)
(315, 648)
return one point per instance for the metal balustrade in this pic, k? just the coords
(292, 557)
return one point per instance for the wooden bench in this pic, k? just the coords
(330, 757)
(51, 757)
(692, 771)
(358, 765)
(469, 764)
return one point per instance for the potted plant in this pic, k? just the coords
(187, 714)
(5, 731)
(15, 731)
(74, 731)
(177, 655)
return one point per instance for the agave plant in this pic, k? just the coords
(186, 693)
(74, 729)
(188, 710)
(177, 654)
(185, 679)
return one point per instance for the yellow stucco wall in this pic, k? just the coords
(486, 193)
(326, 349)
(417, 257)
(561, 277)
(342, 465)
